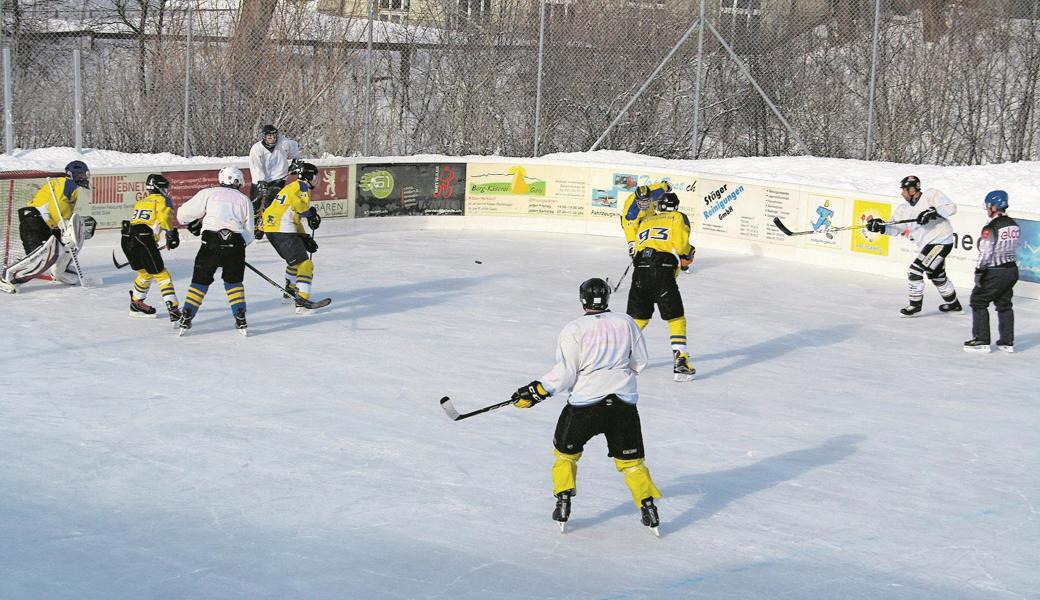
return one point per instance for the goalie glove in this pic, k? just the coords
(312, 216)
(195, 227)
(529, 395)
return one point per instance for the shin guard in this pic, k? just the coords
(565, 471)
(637, 478)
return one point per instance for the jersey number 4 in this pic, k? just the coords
(653, 233)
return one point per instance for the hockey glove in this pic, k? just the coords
(632, 250)
(195, 227)
(310, 244)
(928, 215)
(313, 218)
(258, 234)
(529, 395)
(876, 225)
(173, 239)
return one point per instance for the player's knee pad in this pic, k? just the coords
(35, 263)
(642, 323)
(637, 478)
(565, 471)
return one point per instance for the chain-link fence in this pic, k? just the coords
(903, 80)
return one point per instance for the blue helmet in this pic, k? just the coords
(998, 199)
(77, 171)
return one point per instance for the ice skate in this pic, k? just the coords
(562, 512)
(290, 292)
(10, 288)
(683, 370)
(140, 310)
(1004, 347)
(240, 321)
(912, 309)
(954, 307)
(649, 517)
(977, 345)
(174, 312)
(185, 323)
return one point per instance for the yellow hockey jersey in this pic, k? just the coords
(667, 232)
(56, 201)
(632, 214)
(155, 211)
(283, 214)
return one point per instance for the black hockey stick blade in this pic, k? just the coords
(315, 304)
(116, 262)
(780, 225)
(453, 414)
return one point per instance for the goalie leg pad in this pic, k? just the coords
(35, 263)
(637, 478)
(565, 471)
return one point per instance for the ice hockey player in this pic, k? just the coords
(152, 216)
(996, 274)
(269, 161)
(598, 357)
(283, 228)
(933, 233)
(51, 232)
(639, 205)
(662, 250)
(223, 216)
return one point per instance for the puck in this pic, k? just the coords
(478, 262)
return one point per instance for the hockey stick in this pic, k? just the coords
(64, 227)
(295, 296)
(783, 228)
(620, 281)
(449, 409)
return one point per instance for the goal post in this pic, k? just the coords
(17, 188)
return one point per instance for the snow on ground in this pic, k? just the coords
(827, 449)
(965, 185)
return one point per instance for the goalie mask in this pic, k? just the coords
(78, 172)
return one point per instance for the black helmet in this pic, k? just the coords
(305, 171)
(594, 294)
(910, 181)
(157, 184)
(670, 201)
(77, 170)
(267, 130)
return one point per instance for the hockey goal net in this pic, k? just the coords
(16, 190)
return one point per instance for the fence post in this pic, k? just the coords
(697, 86)
(77, 96)
(538, 85)
(368, 78)
(873, 75)
(8, 116)
(187, 82)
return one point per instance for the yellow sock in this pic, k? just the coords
(565, 471)
(637, 478)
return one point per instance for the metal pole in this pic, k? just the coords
(8, 113)
(186, 152)
(77, 95)
(697, 86)
(538, 86)
(873, 77)
(645, 85)
(747, 73)
(368, 78)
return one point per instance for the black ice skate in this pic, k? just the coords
(954, 306)
(562, 512)
(1008, 347)
(240, 321)
(648, 514)
(174, 311)
(976, 345)
(185, 323)
(290, 291)
(140, 310)
(682, 369)
(912, 309)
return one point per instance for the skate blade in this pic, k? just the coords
(244, 332)
(1008, 349)
(562, 525)
(655, 531)
(901, 315)
(137, 315)
(683, 377)
(181, 331)
(978, 349)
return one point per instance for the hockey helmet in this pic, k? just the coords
(594, 294)
(910, 181)
(306, 171)
(157, 184)
(79, 173)
(268, 130)
(670, 201)
(231, 177)
(997, 199)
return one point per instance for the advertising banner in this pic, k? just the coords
(609, 188)
(411, 189)
(1029, 250)
(783, 203)
(112, 197)
(331, 191)
(864, 241)
(745, 211)
(824, 211)
(503, 189)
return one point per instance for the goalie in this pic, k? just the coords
(51, 232)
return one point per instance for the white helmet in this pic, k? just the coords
(231, 177)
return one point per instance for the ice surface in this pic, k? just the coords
(827, 449)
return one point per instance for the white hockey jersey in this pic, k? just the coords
(936, 231)
(597, 355)
(220, 208)
(270, 165)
